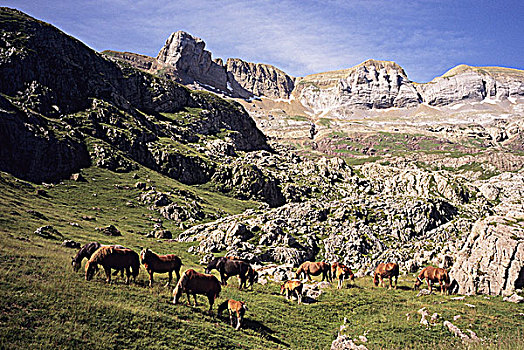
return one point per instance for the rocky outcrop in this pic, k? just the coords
(259, 79)
(187, 57)
(473, 84)
(492, 258)
(371, 84)
(184, 59)
(31, 150)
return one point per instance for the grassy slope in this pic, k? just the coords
(46, 305)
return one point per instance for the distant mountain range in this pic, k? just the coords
(370, 85)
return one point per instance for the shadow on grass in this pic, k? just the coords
(264, 331)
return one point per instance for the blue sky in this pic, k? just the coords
(426, 37)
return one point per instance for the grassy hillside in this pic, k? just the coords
(46, 305)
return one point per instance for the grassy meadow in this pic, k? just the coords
(46, 305)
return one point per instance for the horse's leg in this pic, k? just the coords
(299, 296)
(396, 280)
(381, 281)
(177, 271)
(440, 282)
(150, 278)
(170, 274)
(239, 321)
(128, 274)
(188, 298)
(429, 285)
(194, 296)
(108, 274)
(231, 318)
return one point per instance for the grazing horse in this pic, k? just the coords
(292, 287)
(341, 272)
(309, 268)
(113, 258)
(389, 270)
(432, 275)
(195, 283)
(86, 252)
(161, 264)
(228, 267)
(234, 307)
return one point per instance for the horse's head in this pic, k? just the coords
(177, 293)
(282, 288)
(253, 276)
(76, 264)
(213, 264)
(143, 255)
(417, 284)
(91, 269)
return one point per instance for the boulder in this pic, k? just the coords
(491, 260)
(110, 230)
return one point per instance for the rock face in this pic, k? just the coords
(372, 84)
(184, 59)
(492, 258)
(186, 55)
(259, 79)
(473, 84)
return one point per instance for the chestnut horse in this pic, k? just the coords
(113, 258)
(292, 287)
(161, 264)
(229, 267)
(309, 268)
(238, 308)
(389, 270)
(195, 283)
(341, 272)
(432, 275)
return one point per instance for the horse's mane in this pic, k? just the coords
(100, 254)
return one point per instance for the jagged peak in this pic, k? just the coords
(266, 65)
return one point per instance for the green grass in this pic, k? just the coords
(46, 305)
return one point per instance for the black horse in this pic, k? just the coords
(228, 267)
(85, 252)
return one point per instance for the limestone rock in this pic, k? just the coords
(259, 79)
(491, 260)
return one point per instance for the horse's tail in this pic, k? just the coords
(222, 307)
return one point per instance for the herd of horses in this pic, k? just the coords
(122, 259)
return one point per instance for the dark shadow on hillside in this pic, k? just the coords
(264, 331)
(308, 300)
(453, 287)
(353, 286)
(404, 288)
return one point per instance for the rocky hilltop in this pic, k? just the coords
(185, 59)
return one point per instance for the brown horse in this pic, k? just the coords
(195, 283)
(341, 272)
(432, 275)
(292, 287)
(234, 307)
(229, 267)
(309, 268)
(161, 264)
(389, 270)
(113, 258)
